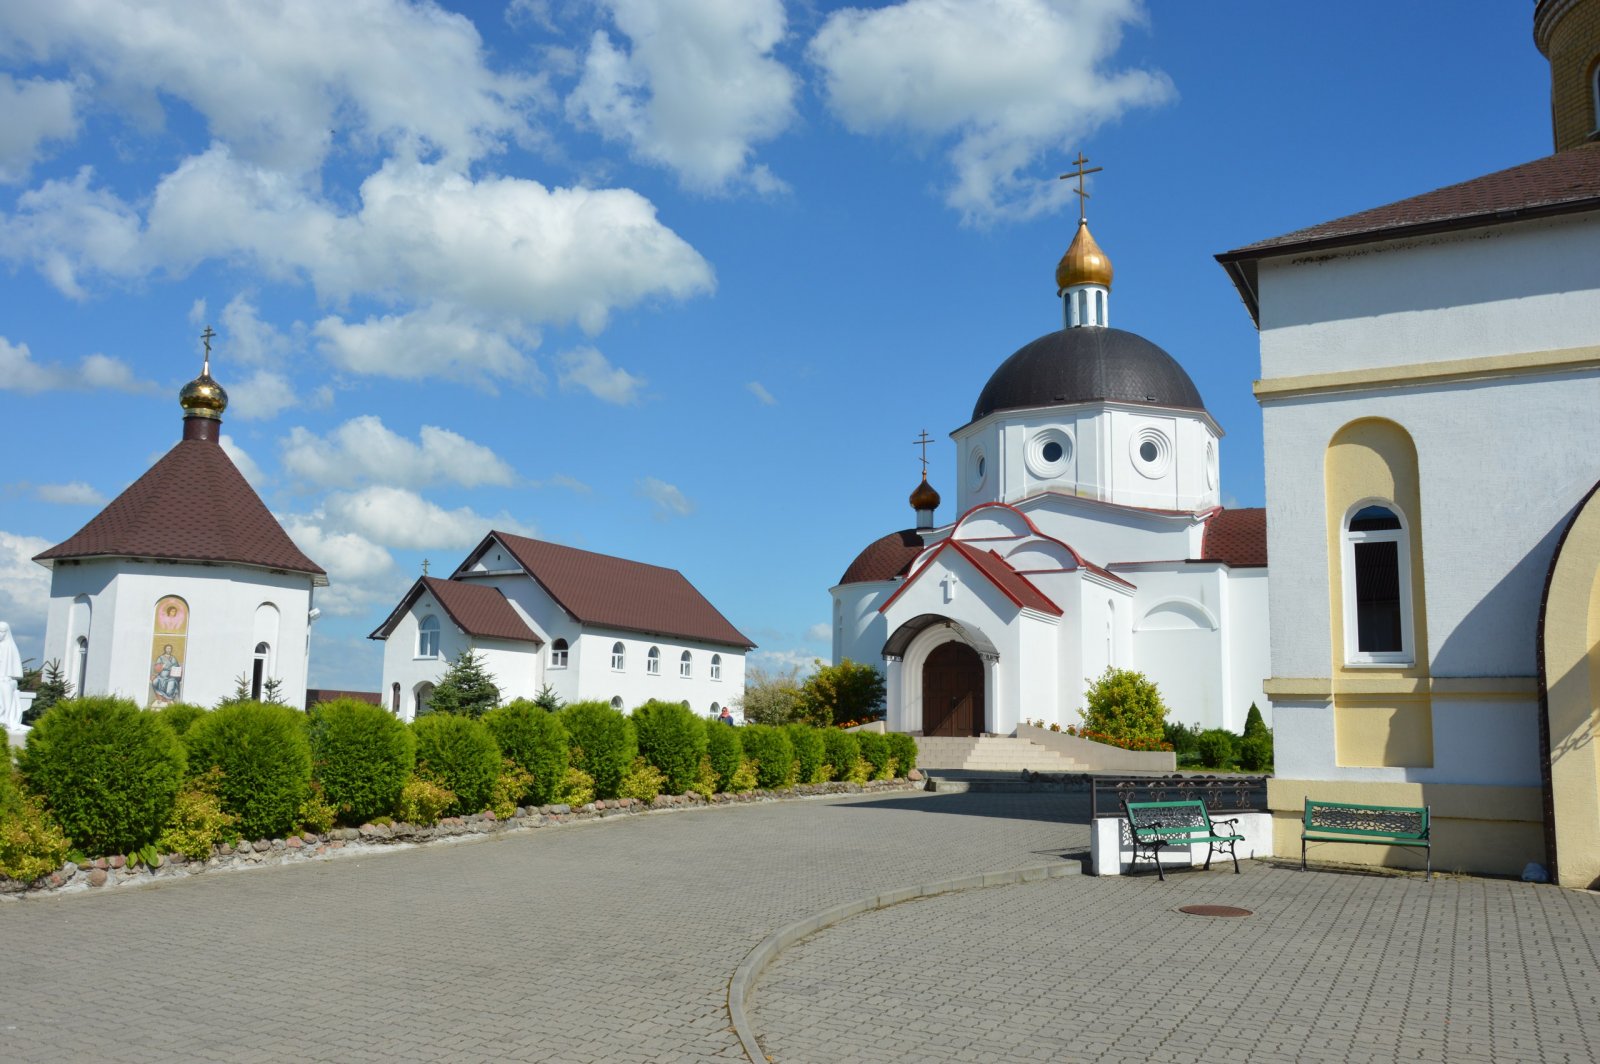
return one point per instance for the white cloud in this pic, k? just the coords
(759, 390)
(242, 461)
(803, 663)
(433, 342)
(396, 517)
(1011, 81)
(248, 339)
(36, 111)
(76, 493)
(24, 585)
(262, 396)
(501, 247)
(281, 80)
(20, 373)
(587, 369)
(669, 500)
(561, 480)
(820, 630)
(363, 449)
(696, 90)
(361, 574)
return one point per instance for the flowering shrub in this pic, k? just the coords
(1143, 745)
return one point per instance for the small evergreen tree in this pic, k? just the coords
(467, 689)
(1254, 725)
(548, 700)
(836, 694)
(52, 688)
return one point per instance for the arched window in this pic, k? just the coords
(423, 703)
(1377, 586)
(558, 654)
(1099, 308)
(83, 664)
(259, 670)
(619, 657)
(652, 661)
(616, 701)
(715, 709)
(394, 700)
(716, 666)
(686, 665)
(428, 637)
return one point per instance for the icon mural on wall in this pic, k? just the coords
(169, 651)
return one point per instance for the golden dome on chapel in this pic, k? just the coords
(924, 497)
(203, 397)
(1084, 262)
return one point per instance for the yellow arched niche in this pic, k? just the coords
(1383, 715)
(1569, 676)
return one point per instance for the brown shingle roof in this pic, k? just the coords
(1564, 183)
(607, 592)
(476, 609)
(192, 505)
(1237, 537)
(884, 558)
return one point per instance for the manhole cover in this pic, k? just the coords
(1213, 910)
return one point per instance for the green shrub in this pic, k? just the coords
(843, 751)
(875, 752)
(466, 689)
(107, 772)
(1216, 747)
(673, 739)
(510, 788)
(537, 741)
(423, 802)
(847, 693)
(265, 760)
(705, 780)
(743, 779)
(1255, 752)
(31, 843)
(180, 717)
(198, 820)
(316, 814)
(460, 755)
(1184, 740)
(603, 744)
(725, 751)
(576, 790)
(1124, 705)
(361, 755)
(772, 752)
(810, 756)
(903, 748)
(642, 782)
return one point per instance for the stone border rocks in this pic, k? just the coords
(119, 870)
(743, 983)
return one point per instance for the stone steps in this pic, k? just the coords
(1000, 755)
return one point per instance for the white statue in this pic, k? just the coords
(10, 677)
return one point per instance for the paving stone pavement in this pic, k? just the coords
(1331, 967)
(607, 941)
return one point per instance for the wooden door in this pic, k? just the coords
(952, 691)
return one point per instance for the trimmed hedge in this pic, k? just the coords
(459, 754)
(361, 755)
(603, 744)
(903, 748)
(672, 739)
(536, 740)
(1217, 747)
(107, 772)
(724, 751)
(180, 716)
(875, 752)
(810, 755)
(265, 760)
(770, 749)
(842, 749)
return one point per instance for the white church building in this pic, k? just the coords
(1090, 534)
(590, 626)
(185, 585)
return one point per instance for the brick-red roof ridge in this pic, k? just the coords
(192, 505)
(1236, 537)
(1000, 572)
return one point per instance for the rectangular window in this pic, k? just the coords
(1378, 616)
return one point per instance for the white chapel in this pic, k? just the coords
(1090, 533)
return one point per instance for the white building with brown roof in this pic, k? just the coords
(590, 626)
(184, 585)
(1091, 534)
(1430, 376)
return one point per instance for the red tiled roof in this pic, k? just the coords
(1016, 586)
(607, 592)
(884, 558)
(476, 609)
(1563, 183)
(192, 505)
(1236, 537)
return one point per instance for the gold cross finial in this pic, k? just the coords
(922, 440)
(1079, 174)
(206, 338)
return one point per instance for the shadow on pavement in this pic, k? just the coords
(1052, 808)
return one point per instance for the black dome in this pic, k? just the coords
(1086, 365)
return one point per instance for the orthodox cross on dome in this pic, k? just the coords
(922, 440)
(206, 338)
(424, 567)
(1080, 173)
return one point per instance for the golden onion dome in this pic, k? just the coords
(1084, 262)
(203, 397)
(924, 498)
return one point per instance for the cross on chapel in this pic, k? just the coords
(1079, 173)
(922, 440)
(950, 583)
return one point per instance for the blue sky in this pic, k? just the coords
(678, 280)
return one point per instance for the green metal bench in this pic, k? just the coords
(1154, 826)
(1383, 825)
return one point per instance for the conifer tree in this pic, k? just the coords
(466, 689)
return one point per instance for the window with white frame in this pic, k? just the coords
(558, 654)
(686, 665)
(258, 670)
(716, 666)
(428, 637)
(1377, 587)
(652, 661)
(619, 657)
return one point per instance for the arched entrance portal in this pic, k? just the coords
(952, 691)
